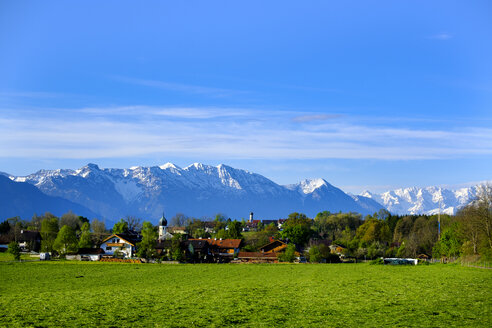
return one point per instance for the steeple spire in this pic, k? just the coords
(162, 220)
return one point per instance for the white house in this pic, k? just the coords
(120, 243)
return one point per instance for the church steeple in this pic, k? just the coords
(163, 234)
(162, 220)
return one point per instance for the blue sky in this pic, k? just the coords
(368, 95)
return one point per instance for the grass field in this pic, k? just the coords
(47, 294)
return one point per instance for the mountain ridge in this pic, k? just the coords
(195, 190)
(425, 200)
(204, 190)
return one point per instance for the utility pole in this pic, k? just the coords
(439, 219)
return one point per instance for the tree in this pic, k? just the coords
(297, 228)
(332, 225)
(99, 230)
(403, 228)
(35, 223)
(146, 248)
(234, 229)
(71, 220)
(14, 250)
(49, 230)
(475, 222)
(222, 234)
(220, 222)
(322, 253)
(449, 245)
(83, 219)
(133, 223)
(374, 230)
(176, 251)
(85, 236)
(314, 254)
(289, 255)
(200, 233)
(66, 241)
(4, 227)
(120, 227)
(256, 239)
(179, 220)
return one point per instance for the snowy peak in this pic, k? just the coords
(169, 165)
(88, 169)
(428, 200)
(366, 193)
(310, 185)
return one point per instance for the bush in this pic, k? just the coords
(377, 261)
(14, 249)
(289, 254)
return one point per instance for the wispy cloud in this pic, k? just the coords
(180, 87)
(440, 36)
(232, 133)
(315, 117)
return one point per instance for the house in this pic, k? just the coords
(337, 249)
(400, 261)
(252, 225)
(175, 230)
(257, 257)
(197, 250)
(280, 223)
(163, 247)
(87, 254)
(274, 247)
(222, 249)
(123, 244)
(209, 226)
(28, 240)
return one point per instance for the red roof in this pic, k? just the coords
(258, 255)
(224, 243)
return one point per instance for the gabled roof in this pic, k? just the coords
(272, 245)
(129, 238)
(224, 243)
(90, 251)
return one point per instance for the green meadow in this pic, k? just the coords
(62, 293)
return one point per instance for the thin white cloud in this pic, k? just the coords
(315, 117)
(180, 87)
(226, 133)
(441, 36)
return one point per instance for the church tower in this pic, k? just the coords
(162, 227)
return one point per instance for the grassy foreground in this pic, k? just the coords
(47, 294)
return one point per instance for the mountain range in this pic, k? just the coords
(202, 191)
(24, 200)
(425, 200)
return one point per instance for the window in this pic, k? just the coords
(108, 248)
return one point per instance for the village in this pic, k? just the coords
(211, 242)
(326, 238)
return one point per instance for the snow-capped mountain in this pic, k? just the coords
(424, 200)
(197, 190)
